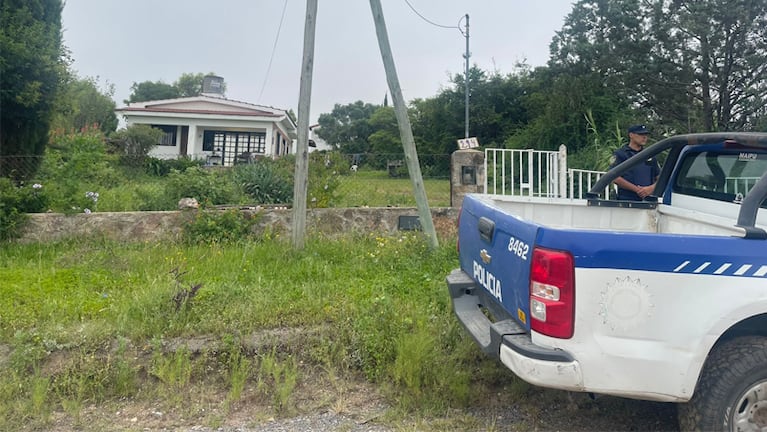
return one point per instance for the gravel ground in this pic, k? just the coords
(573, 413)
(331, 403)
(322, 422)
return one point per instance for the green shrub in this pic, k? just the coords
(324, 177)
(209, 187)
(133, 143)
(597, 153)
(227, 226)
(163, 167)
(271, 181)
(27, 198)
(265, 182)
(76, 163)
(153, 197)
(11, 219)
(15, 202)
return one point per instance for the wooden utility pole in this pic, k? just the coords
(405, 131)
(302, 147)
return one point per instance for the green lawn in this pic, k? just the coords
(377, 189)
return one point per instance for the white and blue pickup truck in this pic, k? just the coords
(663, 300)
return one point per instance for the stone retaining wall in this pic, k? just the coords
(167, 225)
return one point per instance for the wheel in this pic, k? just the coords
(732, 391)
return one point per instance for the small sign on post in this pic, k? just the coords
(467, 143)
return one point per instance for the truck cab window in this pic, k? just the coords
(720, 176)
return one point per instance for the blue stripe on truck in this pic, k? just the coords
(709, 255)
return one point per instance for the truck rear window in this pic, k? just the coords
(720, 176)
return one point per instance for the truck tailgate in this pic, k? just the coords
(495, 250)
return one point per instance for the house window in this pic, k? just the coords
(207, 140)
(235, 142)
(168, 138)
(251, 142)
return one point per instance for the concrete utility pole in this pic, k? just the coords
(302, 147)
(406, 132)
(466, 76)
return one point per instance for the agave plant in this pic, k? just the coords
(264, 183)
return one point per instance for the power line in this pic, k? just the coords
(274, 48)
(465, 56)
(428, 20)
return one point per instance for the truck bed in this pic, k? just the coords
(689, 215)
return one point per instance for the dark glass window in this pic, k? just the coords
(207, 140)
(721, 176)
(168, 137)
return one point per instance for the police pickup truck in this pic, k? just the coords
(664, 299)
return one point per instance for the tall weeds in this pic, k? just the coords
(98, 318)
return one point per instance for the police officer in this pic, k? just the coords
(638, 182)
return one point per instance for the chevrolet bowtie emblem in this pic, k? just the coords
(485, 256)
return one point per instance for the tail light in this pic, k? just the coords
(552, 293)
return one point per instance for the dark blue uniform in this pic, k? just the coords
(641, 175)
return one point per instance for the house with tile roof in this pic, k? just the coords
(211, 127)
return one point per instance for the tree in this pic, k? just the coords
(82, 103)
(496, 111)
(152, 90)
(693, 65)
(720, 47)
(557, 105)
(385, 139)
(347, 127)
(190, 84)
(187, 85)
(31, 68)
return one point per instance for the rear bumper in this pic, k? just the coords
(510, 342)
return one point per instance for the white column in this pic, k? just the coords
(194, 145)
(269, 141)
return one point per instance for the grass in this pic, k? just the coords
(377, 189)
(86, 322)
(363, 188)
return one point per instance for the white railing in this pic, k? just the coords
(526, 172)
(739, 185)
(537, 173)
(581, 181)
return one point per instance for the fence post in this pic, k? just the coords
(563, 169)
(486, 190)
(530, 172)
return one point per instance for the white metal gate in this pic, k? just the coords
(525, 172)
(536, 173)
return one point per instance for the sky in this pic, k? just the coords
(257, 45)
